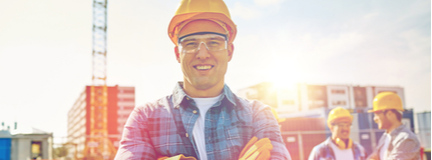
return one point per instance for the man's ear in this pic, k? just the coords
(391, 114)
(230, 51)
(330, 127)
(177, 53)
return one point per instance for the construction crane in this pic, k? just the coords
(98, 145)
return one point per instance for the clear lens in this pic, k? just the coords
(212, 42)
(343, 125)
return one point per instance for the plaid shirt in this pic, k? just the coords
(164, 128)
(324, 151)
(403, 145)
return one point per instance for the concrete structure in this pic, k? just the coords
(31, 143)
(121, 102)
(307, 97)
(32, 146)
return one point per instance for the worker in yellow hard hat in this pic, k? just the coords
(398, 142)
(339, 146)
(202, 119)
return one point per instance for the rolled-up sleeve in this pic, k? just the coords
(135, 142)
(266, 126)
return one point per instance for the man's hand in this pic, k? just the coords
(255, 149)
(178, 157)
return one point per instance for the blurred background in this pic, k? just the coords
(301, 57)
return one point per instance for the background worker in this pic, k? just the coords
(339, 146)
(398, 141)
(202, 118)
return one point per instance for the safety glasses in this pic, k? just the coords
(212, 42)
(343, 125)
(380, 111)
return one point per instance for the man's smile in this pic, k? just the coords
(203, 67)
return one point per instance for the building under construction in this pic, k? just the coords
(120, 103)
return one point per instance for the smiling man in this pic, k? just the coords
(398, 142)
(202, 118)
(339, 146)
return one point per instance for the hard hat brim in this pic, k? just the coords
(329, 122)
(178, 21)
(345, 117)
(373, 111)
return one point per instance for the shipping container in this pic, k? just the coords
(5, 145)
(301, 134)
(355, 132)
(363, 121)
(292, 143)
(303, 124)
(424, 129)
(366, 142)
(408, 119)
(310, 141)
(369, 133)
(300, 145)
(378, 134)
(366, 124)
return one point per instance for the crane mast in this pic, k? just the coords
(98, 145)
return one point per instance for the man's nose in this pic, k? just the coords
(203, 52)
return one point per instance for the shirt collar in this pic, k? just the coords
(328, 141)
(397, 130)
(179, 95)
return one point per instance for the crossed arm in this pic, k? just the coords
(136, 141)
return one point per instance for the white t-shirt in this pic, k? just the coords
(383, 149)
(203, 105)
(342, 154)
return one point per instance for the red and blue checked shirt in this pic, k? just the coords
(164, 128)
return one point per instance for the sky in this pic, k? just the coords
(46, 46)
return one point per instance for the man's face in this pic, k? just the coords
(382, 120)
(341, 128)
(204, 59)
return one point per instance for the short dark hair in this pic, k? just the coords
(396, 112)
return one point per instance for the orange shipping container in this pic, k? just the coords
(302, 134)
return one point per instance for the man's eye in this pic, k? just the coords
(214, 43)
(191, 44)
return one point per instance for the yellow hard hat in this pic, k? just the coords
(387, 100)
(190, 10)
(337, 113)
